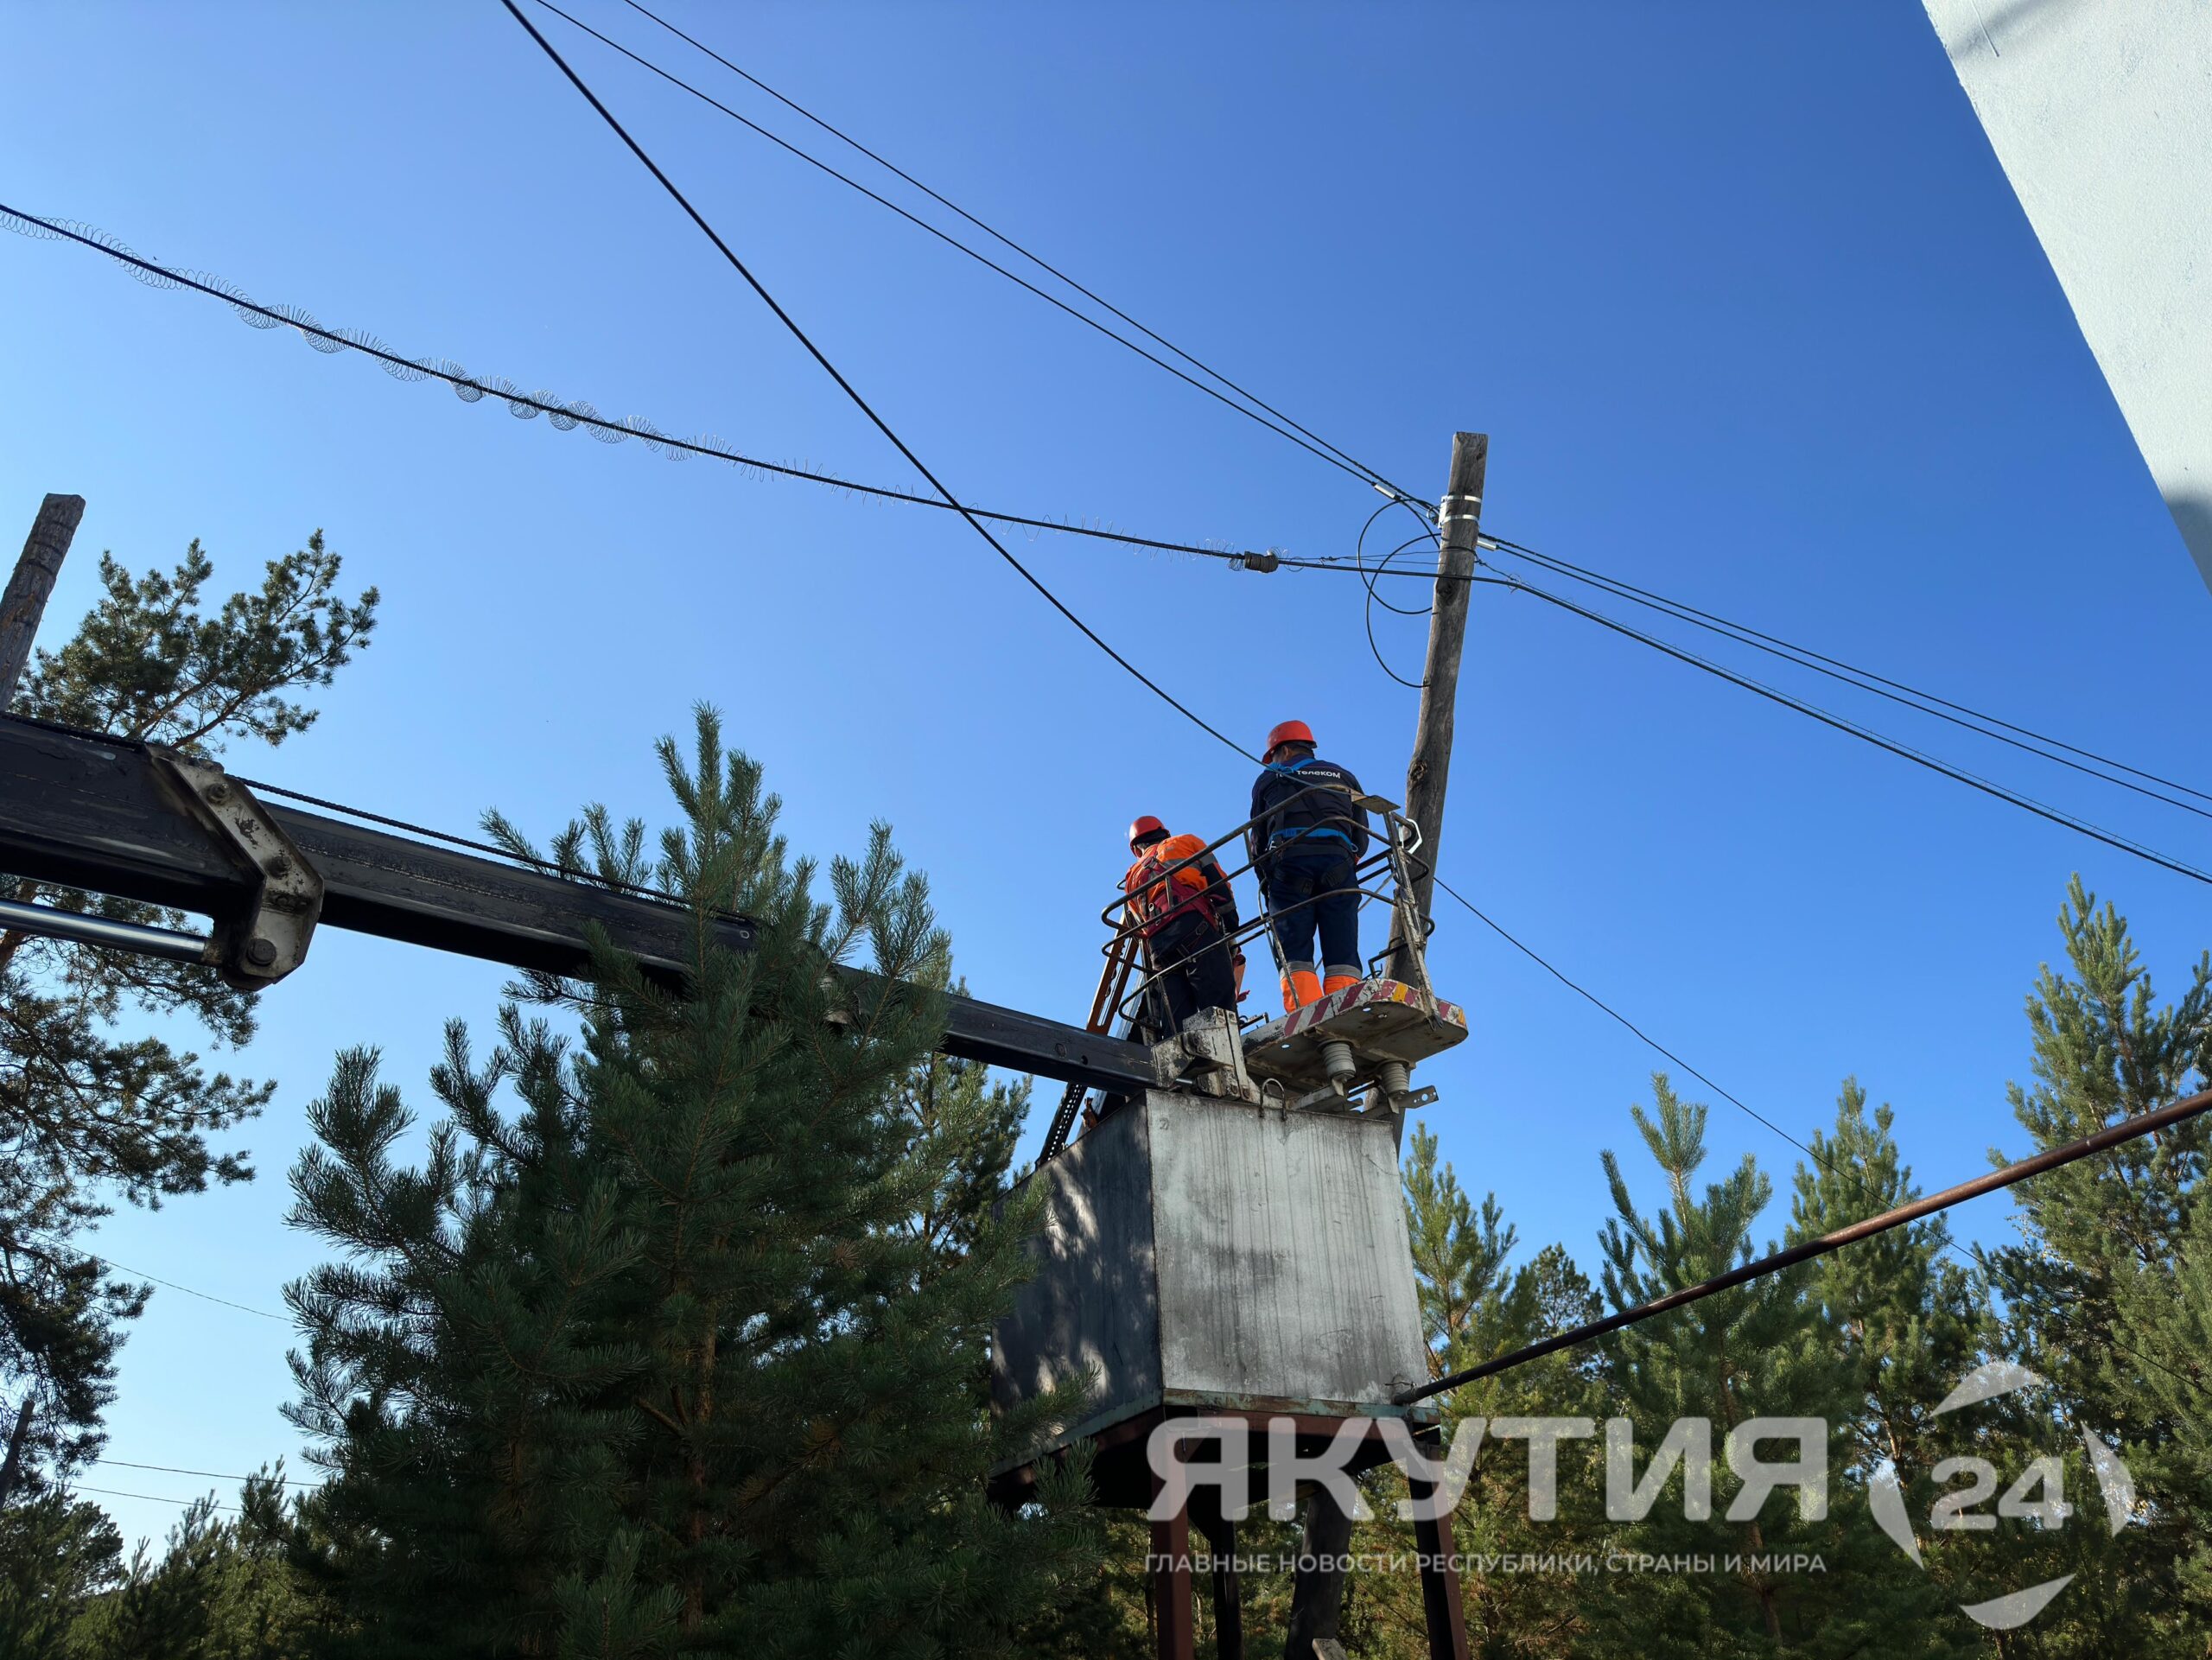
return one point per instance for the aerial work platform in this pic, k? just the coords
(1382, 1021)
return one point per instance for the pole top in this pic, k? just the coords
(58, 506)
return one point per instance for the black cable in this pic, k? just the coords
(212, 1475)
(830, 369)
(60, 1243)
(1349, 463)
(1367, 616)
(1866, 735)
(1607, 1009)
(1426, 533)
(157, 1499)
(1897, 692)
(160, 276)
(1364, 476)
(1612, 1014)
(581, 878)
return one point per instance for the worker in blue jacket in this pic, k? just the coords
(1306, 838)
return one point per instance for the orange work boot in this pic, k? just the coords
(1337, 982)
(1300, 987)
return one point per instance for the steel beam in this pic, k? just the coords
(93, 813)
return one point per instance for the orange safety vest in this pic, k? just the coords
(1157, 898)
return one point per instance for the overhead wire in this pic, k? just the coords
(1426, 533)
(60, 1243)
(1367, 616)
(1351, 463)
(212, 1475)
(156, 1498)
(1865, 734)
(577, 414)
(1336, 460)
(566, 416)
(1894, 691)
(861, 402)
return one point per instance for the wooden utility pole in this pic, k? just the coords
(1316, 1598)
(24, 603)
(1458, 518)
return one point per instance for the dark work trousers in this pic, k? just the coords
(1290, 880)
(1187, 976)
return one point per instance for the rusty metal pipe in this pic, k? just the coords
(2146, 1124)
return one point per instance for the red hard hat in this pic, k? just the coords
(1147, 825)
(1288, 732)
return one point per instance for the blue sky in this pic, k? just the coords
(1739, 293)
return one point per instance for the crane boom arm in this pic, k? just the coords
(103, 814)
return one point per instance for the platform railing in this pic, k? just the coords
(1383, 876)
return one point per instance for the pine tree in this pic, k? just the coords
(87, 1115)
(686, 1354)
(58, 1554)
(1759, 1351)
(1476, 1308)
(1910, 1311)
(2107, 1296)
(1906, 1317)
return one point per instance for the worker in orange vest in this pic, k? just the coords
(1306, 838)
(1184, 908)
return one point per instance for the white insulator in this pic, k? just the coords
(1393, 1078)
(1336, 1055)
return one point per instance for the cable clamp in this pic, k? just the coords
(1271, 559)
(1403, 498)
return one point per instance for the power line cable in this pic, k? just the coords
(1351, 463)
(60, 1243)
(1427, 532)
(1367, 615)
(156, 1498)
(1611, 1012)
(862, 403)
(1865, 680)
(565, 417)
(1957, 774)
(212, 1475)
(1323, 452)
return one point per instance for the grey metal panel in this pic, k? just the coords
(1285, 1270)
(1092, 1309)
(1200, 1252)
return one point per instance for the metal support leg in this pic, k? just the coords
(1175, 1621)
(1318, 1595)
(1440, 1590)
(1228, 1594)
